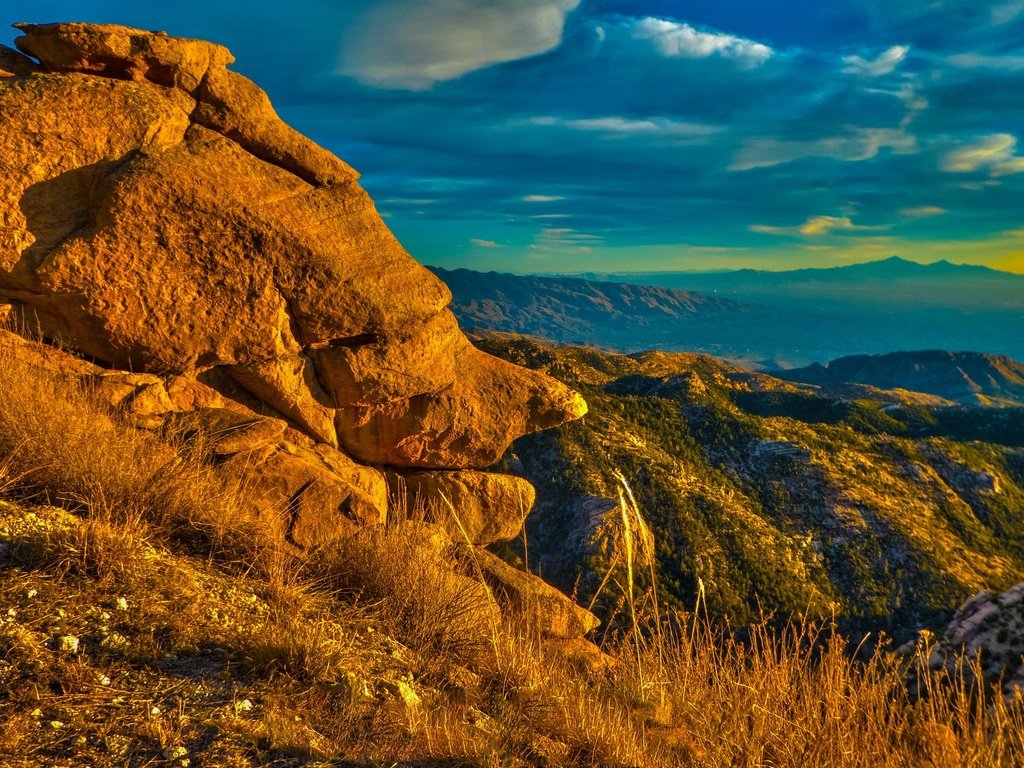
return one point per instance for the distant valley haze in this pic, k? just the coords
(760, 319)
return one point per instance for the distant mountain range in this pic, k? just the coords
(571, 310)
(767, 319)
(875, 283)
(970, 378)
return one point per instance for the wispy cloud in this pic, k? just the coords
(767, 229)
(995, 154)
(675, 39)
(823, 225)
(815, 226)
(859, 144)
(413, 44)
(555, 240)
(617, 126)
(1004, 13)
(1004, 63)
(542, 198)
(479, 243)
(922, 211)
(883, 64)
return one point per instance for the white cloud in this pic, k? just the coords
(542, 198)
(859, 144)
(562, 240)
(674, 39)
(815, 226)
(615, 126)
(883, 64)
(765, 229)
(984, 61)
(994, 154)
(1007, 12)
(478, 243)
(413, 44)
(822, 225)
(923, 211)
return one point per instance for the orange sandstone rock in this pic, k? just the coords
(157, 216)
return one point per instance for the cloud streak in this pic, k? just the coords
(616, 126)
(860, 144)
(887, 61)
(815, 226)
(995, 155)
(413, 44)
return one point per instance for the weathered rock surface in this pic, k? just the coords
(317, 499)
(991, 625)
(555, 614)
(122, 52)
(14, 63)
(227, 432)
(214, 274)
(490, 507)
(262, 256)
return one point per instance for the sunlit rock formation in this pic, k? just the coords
(214, 270)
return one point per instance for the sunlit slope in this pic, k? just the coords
(776, 495)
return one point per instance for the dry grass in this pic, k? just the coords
(60, 445)
(405, 575)
(382, 646)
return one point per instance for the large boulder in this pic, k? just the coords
(230, 278)
(549, 611)
(481, 507)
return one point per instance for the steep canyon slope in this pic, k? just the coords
(889, 507)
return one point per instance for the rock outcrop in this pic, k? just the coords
(990, 626)
(219, 274)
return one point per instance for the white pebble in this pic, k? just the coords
(176, 752)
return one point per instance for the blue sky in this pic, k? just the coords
(617, 135)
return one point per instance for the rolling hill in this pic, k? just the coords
(966, 377)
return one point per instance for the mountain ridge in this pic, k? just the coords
(890, 265)
(574, 310)
(744, 316)
(974, 378)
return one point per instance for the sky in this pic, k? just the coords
(643, 135)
